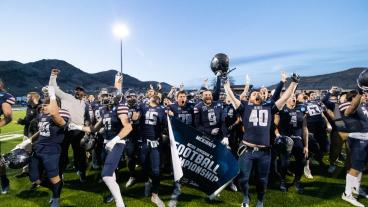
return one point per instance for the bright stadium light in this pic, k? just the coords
(121, 31)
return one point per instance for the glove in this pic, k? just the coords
(51, 92)
(23, 145)
(110, 144)
(225, 141)
(73, 126)
(295, 78)
(215, 131)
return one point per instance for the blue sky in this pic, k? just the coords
(174, 41)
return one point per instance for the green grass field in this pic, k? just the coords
(323, 191)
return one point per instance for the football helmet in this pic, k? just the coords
(16, 159)
(362, 80)
(220, 64)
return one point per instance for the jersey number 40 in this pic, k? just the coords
(259, 117)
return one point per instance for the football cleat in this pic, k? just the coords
(307, 172)
(156, 200)
(352, 200)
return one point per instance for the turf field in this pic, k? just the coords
(323, 191)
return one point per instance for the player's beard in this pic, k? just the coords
(132, 102)
(208, 101)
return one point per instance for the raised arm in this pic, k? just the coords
(229, 93)
(290, 90)
(58, 92)
(54, 109)
(354, 104)
(217, 89)
(246, 88)
(119, 82)
(280, 86)
(326, 99)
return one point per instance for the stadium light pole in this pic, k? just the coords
(121, 31)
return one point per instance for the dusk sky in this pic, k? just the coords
(174, 41)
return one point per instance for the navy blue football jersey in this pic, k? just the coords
(291, 121)
(51, 135)
(6, 98)
(207, 118)
(314, 112)
(185, 113)
(92, 107)
(362, 115)
(111, 120)
(152, 121)
(131, 110)
(352, 123)
(135, 123)
(99, 111)
(257, 120)
(231, 115)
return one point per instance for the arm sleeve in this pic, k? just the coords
(122, 109)
(58, 92)
(217, 89)
(65, 115)
(276, 94)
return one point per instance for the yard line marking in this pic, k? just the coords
(10, 137)
(10, 132)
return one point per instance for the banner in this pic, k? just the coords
(199, 160)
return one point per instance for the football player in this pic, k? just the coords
(184, 111)
(291, 123)
(209, 118)
(152, 123)
(358, 141)
(116, 125)
(78, 110)
(6, 102)
(52, 124)
(255, 148)
(318, 125)
(133, 138)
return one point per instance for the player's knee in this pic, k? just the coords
(107, 178)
